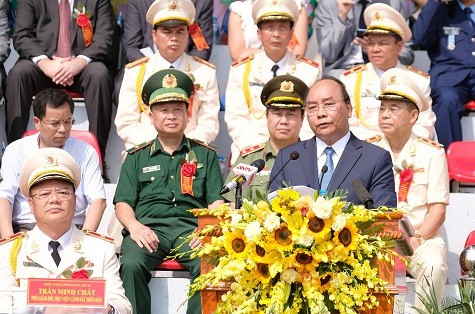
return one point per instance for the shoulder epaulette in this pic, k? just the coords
(241, 61)
(355, 69)
(136, 148)
(251, 149)
(12, 237)
(204, 62)
(417, 71)
(431, 143)
(137, 62)
(98, 235)
(373, 139)
(207, 145)
(308, 61)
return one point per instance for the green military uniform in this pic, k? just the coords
(161, 188)
(150, 183)
(260, 183)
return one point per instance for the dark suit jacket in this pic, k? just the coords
(360, 160)
(138, 32)
(448, 67)
(37, 28)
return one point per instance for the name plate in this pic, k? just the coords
(67, 292)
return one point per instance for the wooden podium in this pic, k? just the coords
(211, 296)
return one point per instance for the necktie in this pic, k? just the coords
(63, 48)
(171, 66)
(55, 254)
(329, 151)
(364, 4)
(468, 11)
(274, 69)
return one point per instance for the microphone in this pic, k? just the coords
(294, 155)
(244, 175)
(323, 171)
(363, 194)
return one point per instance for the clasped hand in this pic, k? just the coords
(62, 70)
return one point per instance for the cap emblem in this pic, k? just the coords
(51, 161)
(275, 2)
(173, 5)
(169, 81)
(287, 87)
(378, 15)
(392, 80)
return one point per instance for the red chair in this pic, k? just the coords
(470, 106)
(82, 135)
(461, 164)
(170, 269)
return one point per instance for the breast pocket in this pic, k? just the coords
(418, 190)
(149, 180)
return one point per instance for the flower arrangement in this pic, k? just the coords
(189, 164)
(80, 272)
(84, 22)
(406, 175)
(295, 254)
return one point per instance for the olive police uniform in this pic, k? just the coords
(151, 183)
(426, 161)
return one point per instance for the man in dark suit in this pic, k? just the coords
(82, 60)
(4, 44)
(345, 157)
(448, 33)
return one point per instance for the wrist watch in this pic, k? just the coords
(419, 238)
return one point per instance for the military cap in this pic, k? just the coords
(380, 18)
(166, 86)
(271, 10)
(400, 84)
(171, 12)
(284, 91)
(46, 164)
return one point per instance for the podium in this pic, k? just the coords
(211, 296)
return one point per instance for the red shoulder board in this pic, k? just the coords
(355, 69)
(98, 235)
(241, 61)
(12, 237)
(250, 149)
(375, 138)
(207, 145)
(136, 148)
(417, 71)
(308, 61)
(431, 143)
(204, 62)
(137, 62)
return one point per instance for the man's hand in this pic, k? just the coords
(144, 237)
(195, 242)
(344, 6)
(70, 69)
(51, 67)
(363, 42)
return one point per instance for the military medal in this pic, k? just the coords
(451, 32)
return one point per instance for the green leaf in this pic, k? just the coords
(67, 274)
(89, 272)
(81, 263)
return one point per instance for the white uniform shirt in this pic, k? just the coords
(90, 188)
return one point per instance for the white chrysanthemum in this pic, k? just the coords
(253, 230)
(289, 275)
(305, 240)
(322, 208)
(235, 218)
(339, 222)
(272, 222)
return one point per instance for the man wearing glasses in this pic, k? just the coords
(53, 117)
(336, 149)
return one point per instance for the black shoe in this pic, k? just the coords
(105, 175)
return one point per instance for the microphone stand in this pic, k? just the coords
(238, 198)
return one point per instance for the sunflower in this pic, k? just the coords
(281, 238)
(325, 281)
(236, 244)
(347, 238)
(318, 227)
(302, 260)
(261, 272)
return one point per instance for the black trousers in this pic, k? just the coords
(26, 79)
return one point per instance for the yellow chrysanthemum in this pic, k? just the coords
(236, 244)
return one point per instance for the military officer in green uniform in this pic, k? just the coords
(160, 181)
(284, 98)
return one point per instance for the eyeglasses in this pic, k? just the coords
(55, 125)
(394, 111)
(313, 109)
(46, 194)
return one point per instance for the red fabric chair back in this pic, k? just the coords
(461, 161)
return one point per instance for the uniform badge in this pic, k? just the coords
(35, 247)
(451, 32)
(287, 87)
(151, 169)
(169, 81)
(77, 246)
(31, 264)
